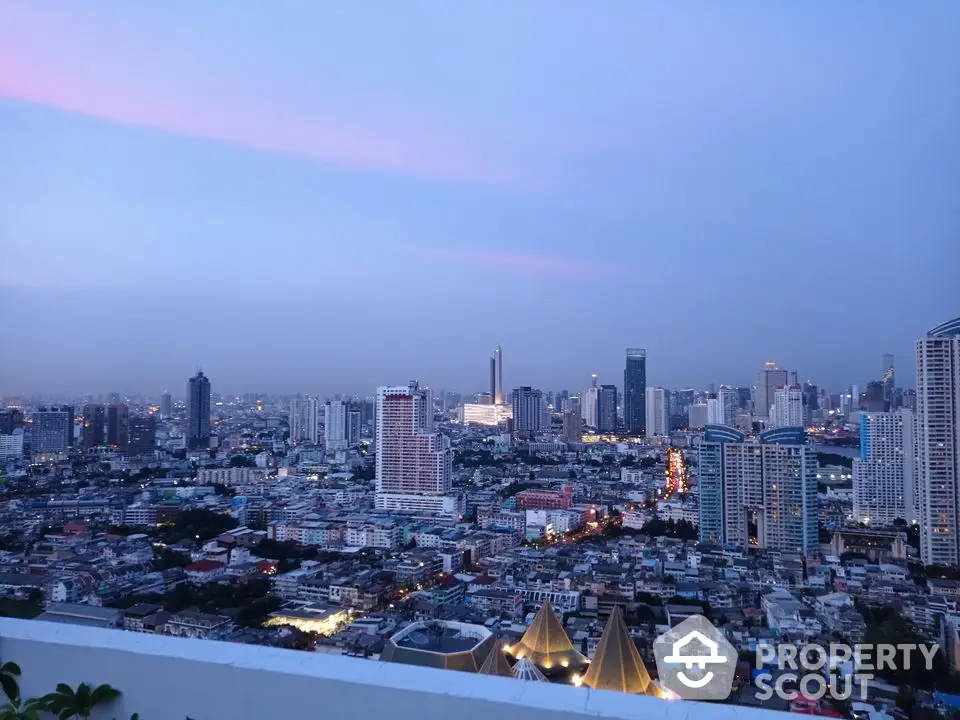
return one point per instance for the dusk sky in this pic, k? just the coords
(326, 196)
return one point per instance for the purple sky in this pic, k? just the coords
(329, 198)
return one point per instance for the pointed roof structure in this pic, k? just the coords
(617, 664)
(496, 663)
(545, 643)
(526, 670)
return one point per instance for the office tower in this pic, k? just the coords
(854, 397)
(771, 483)
(635, 392)
(884, 476)
(728, 400)
(873, 398)
(166, 405)
(353, 425)
(588, 404)
(787, 407)
(572, 404)
(118, 426)
(335, 425)
(768, 380)
(888, 379)
(94, 425)
(143, 435)
(10, 420)
(71, 432)
(561, 401)
(304, 420)
(11, 445)
(658, 417)
(527, 411)
(496, 376)
(744, 398)
(697, 416)
(572, 431)
(607, 409)
(414, 464)
(938, 443)
(198, 411)
(51, 430)
(714, 412)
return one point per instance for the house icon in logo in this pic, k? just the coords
(695, 660)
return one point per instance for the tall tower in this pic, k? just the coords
(304, 420)
(884, 476)
(889, 380)
(496, 376)
(607, 409)
(198, 411)
(528, 413)
(635, 392)
(658, 412)
(414, 463)
(118, 426)
(335, 425)
(589, 402)
(94, 425)
(768, 380)
(787, 407)
(166, 404)
(938, 443)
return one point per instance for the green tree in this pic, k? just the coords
(68, 703)
(242, 461)
(32, 709)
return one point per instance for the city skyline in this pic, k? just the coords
(633, 156)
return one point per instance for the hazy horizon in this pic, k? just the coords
(342, 198)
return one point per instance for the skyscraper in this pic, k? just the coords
(496, 376)
(607, 409)
(938, 443)
(658, 415)
(143, 435)
(528, 411)
(768, 380)
(166, 404)
(198, 411)
(94, 425)
(635, 392)
(51, 430)
(888, 379)
(727, 398)
(787, 407)
(714, 412)
(884, 476)
(353, 425)
(874, 397)
(588, 404)
(118, 426)
(414, 463)
(304, 420)
(572, 430)
(335, 425)
(771, 483)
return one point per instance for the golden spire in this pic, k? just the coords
(546, 645)
(617, 664)
(496, 663)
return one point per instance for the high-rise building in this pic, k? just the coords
(143, 435)
(727, 398)
(714, 412)
(635, 392)
(588, 404)
(118, 426)
(768, 380)
(658, 416)
(304, 420)
(353, 425)
(414, 463)
(888, 379)
(607, 409)
(94, 425)
(10, 420)
(873, 398)
(787, 407)
(166, 405)
(884, 476)
(528, 411)
(938, 444)
(572, 430)
(910, 399)
(770, 484)
(335, 425)
(51, 430)
(198, 411)
(496, 376)
(697, 416)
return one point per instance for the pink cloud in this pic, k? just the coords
(519, 263)
(81, 70)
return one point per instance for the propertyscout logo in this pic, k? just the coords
(696, 662)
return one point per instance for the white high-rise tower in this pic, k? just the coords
(787, 407)
(938, 444)
(884, 476)
(658, 415)
(304, 420)
(335, 425)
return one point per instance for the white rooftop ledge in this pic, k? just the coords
(166, 678)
